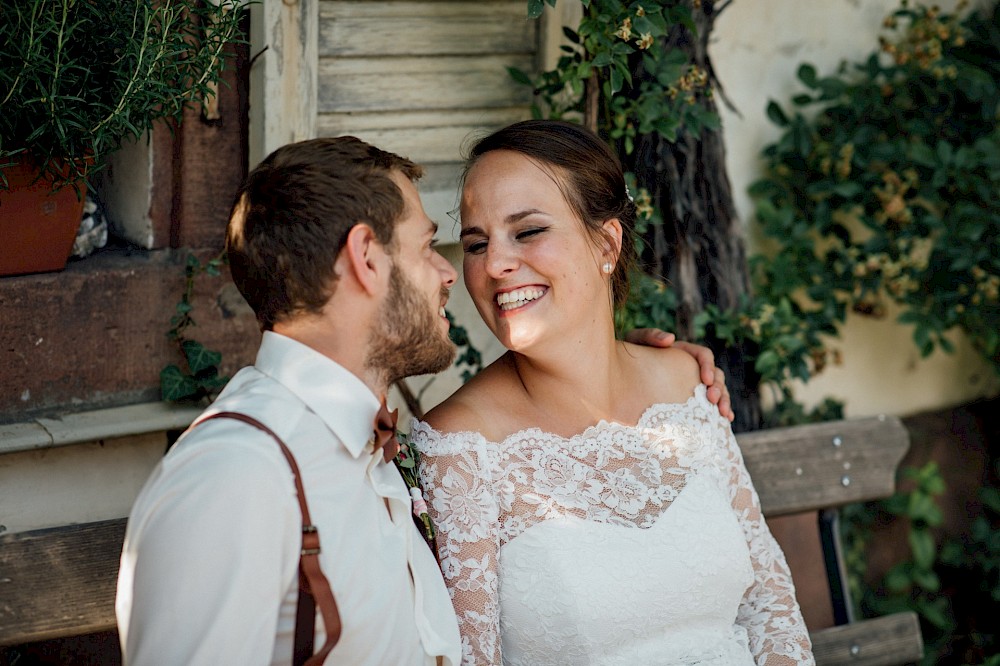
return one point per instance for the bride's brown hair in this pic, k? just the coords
(589, 175)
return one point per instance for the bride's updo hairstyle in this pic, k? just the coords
(588, 174)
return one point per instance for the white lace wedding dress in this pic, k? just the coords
(628, 545)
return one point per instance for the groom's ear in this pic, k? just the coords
(364, 258)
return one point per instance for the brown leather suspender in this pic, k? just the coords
(313, 586)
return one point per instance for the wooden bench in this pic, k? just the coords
(819, 467)
(61, 582)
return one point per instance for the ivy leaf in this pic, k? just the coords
(936, 613)
(991, 498)
(212, 268)
(927, 579)
(923, 547)
(897, 579)
(175, 385)
(199, 358)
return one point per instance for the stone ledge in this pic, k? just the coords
(95, 425)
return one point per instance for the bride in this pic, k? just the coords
(592, 505)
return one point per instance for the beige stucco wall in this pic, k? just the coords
(757, 48)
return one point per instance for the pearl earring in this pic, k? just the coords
(608, 267)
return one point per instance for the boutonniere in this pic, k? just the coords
(407, 461)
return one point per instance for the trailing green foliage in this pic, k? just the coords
(612, 42)
(201, 377)
(468, 356)
(887, 190)
(78, 76)
(951, 582)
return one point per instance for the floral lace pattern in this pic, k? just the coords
(520, 509)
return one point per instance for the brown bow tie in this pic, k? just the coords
(385, 432)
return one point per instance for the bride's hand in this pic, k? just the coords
(711, 376)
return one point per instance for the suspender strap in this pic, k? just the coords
(314, 588)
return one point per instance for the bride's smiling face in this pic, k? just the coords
(530, 266)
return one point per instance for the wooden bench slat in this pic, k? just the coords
(884, 641)
(801, 469)
(59, 582)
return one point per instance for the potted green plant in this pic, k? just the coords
(76, 78)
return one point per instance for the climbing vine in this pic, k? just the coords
(199, 377)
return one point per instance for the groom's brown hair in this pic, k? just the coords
(292, 215)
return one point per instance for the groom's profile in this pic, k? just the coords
(330, 246)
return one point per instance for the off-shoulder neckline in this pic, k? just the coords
(698, 394)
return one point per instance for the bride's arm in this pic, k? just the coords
(769, 611)
(454, 471)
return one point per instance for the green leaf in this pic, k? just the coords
(990, 497)
(175, 385)
(923, 547)
(616, 80)
(767, 363)
(927, 580)
(603, 59)
(807, 75)
(847, 189)
(199, 358)
(898, 579)
(519, 76)
(776, 115)
(535, 8)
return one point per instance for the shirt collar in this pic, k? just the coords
(337, 396)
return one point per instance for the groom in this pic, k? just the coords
(329, 244)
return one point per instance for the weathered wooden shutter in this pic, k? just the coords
(419, 78)
(422, 79)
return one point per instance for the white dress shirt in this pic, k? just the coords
(209, 570)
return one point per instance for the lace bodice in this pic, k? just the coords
(620, 545)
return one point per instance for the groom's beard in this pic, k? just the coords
(408, 339)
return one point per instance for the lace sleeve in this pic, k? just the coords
(454, 470)
(769, 611)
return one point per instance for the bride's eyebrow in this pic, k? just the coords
(510, 219)
(517, 217)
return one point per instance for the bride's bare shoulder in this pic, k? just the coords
(669, 374)
(474, 406)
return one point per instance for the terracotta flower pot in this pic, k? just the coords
(37, 225)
